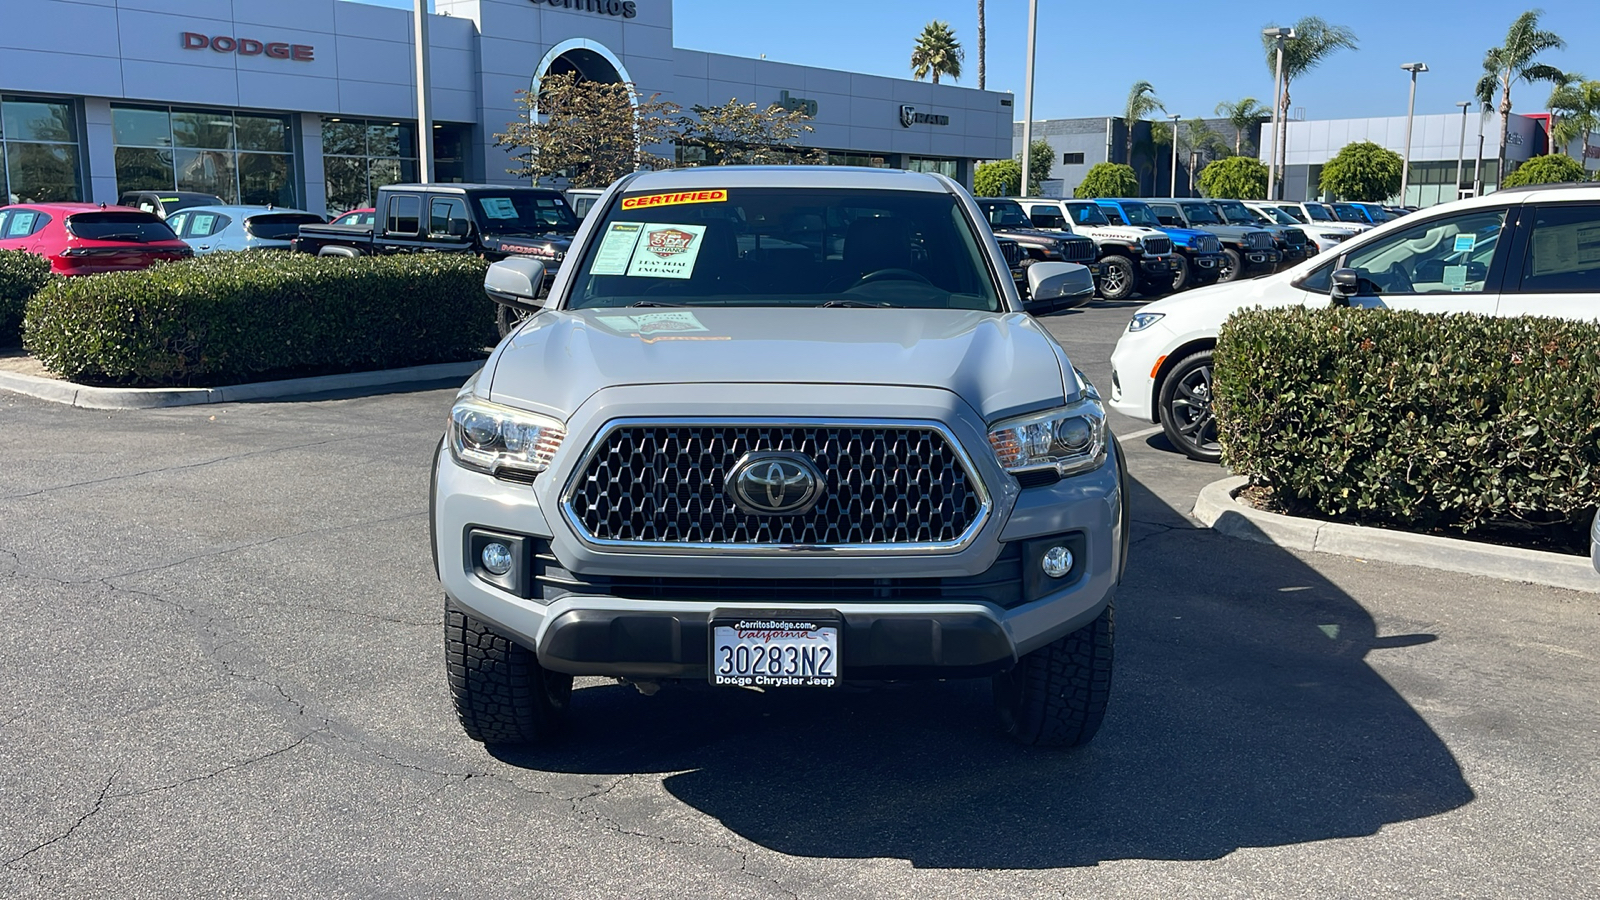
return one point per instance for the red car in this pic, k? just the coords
(357, 217)
(85, 238)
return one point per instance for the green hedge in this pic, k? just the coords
(21, 275)
(234, 317)
(1414, 421)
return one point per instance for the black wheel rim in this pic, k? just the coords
(1224, 268)
(1191, 410)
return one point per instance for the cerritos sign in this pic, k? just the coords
(622, 9)
(909, 117)
(248, 46)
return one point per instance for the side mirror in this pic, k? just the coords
(458, 228)
(516, 282)
(1346, 284)
(1052, 284)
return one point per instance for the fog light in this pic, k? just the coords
(497, 558)
(1057, 561)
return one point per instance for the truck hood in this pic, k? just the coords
(1211, 305)
(1184, 235)
(1000, 364)
(1119, 232)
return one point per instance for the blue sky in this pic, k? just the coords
(1196, 54)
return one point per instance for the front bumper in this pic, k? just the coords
(651, 626)
(1158, 267)
(1261, 259)
(1133, 360)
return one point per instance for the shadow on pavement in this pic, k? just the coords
(1243, 715)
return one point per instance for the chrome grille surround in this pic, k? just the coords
(927, 499)
(1258, 240)
(1156, 246)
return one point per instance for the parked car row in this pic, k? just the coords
(1519, 251)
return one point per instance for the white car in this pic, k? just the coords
(1324, 238)
(1132, 257)
(1519, 251)
(1311, 212)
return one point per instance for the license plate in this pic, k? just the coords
(774, 651)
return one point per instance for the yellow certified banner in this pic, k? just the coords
(652, 200)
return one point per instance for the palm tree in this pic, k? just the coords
(1241, 116)
(1567, 80)
(1579, 106)
(1314, 40)
(1142, 101)
(1517, 60)
(981, 44)
(937, 52)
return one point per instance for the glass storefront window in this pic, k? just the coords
(360, 156)
(39, 153)
(945, 167)
(240, 157)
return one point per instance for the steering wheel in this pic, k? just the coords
(890, 275)
(1395, 280)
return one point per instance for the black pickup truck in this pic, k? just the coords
(492, 221)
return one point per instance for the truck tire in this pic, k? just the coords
(1184, 407)
(508, 319)
(502, 695)
(1118, 278)
(1231, 266)
(1056, 696)
(1180, 278)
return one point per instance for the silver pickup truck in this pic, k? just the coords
(779, 428)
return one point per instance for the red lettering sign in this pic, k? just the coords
(249, 47)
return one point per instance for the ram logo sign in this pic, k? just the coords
(909, 117)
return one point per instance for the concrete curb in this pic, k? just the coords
(153, 398)
(1217, 508)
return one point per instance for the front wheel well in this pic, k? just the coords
(1172, 359)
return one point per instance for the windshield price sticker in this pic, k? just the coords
(498, 207)
(616, 249)
(764, 653)
(666, 251)
(675, 199)
(1465, 243)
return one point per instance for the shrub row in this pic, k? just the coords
(234, 317)
(1414, 421)
(22, 274)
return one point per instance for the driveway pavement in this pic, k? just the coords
(222, 677)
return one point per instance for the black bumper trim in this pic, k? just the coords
(873, 647)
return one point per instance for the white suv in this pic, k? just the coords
(1520, 251)
(1324, 238)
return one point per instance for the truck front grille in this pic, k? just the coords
(1294, 237)
(888, 486)
(1078, 251)
(1157, 245)
(1258, 240)
(1207, 243)
(1011, 251)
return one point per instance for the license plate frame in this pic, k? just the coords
(759, 634)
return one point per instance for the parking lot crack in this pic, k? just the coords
(178, 468)
(99, 800)
(231, 767)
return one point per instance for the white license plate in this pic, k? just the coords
(774, 652)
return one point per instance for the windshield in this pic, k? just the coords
(119, 226)
(1233, 212)
(1005, 213)
(1201, 214)
(1087, 214)
(785, 247)
(279, 226)
(1348, 213)
(1139, 214)
(1319, 212)
(522, 212)
(1288, 215)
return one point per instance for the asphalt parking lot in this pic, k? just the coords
(221, 647)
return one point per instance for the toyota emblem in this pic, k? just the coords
(774, 483)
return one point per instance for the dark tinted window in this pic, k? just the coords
(1139, 214)
(440, 211)
(1072, 159)
(405, 214)
(1200, 214)
(1004, 213)
(279, 226)
(1088, 214)
(1563, 254)
(787, 247)
(1347, 212)
(1113, 215)
(1047, 217)
(522, 212)
(1234, 213)
(119, 226)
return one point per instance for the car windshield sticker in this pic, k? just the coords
(1465, 243)
(201, 226)
(1455, 277)
(616, 249)
(652, 200)
(21, 224)
(653, 323)
(667, 251)
(498, 207)
(1566, 248)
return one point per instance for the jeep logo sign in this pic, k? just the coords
(909, 117)
(248, 47)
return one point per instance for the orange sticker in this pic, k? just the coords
(650, 200)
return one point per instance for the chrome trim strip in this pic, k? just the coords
(985, 501)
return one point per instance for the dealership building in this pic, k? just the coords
(312, 103)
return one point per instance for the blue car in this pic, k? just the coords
(211, 229)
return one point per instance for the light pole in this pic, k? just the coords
(1405, 169)
(1477, 167)
(1027, 101)
(1174, 117)
(1279, 114)
(1461, 151)
(424, 107)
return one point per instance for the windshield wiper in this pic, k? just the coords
(853, 304)
(653, 303)
(121, 237)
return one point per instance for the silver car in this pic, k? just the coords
(210, 229)
(779, 428)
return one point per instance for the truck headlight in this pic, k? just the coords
(497, 439)
(1141, 321)
(1071, 439)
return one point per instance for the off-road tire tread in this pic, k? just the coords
(502, 695)
(1181, 278)
(1132, 280)
(1238, 266)
(1063, 688)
